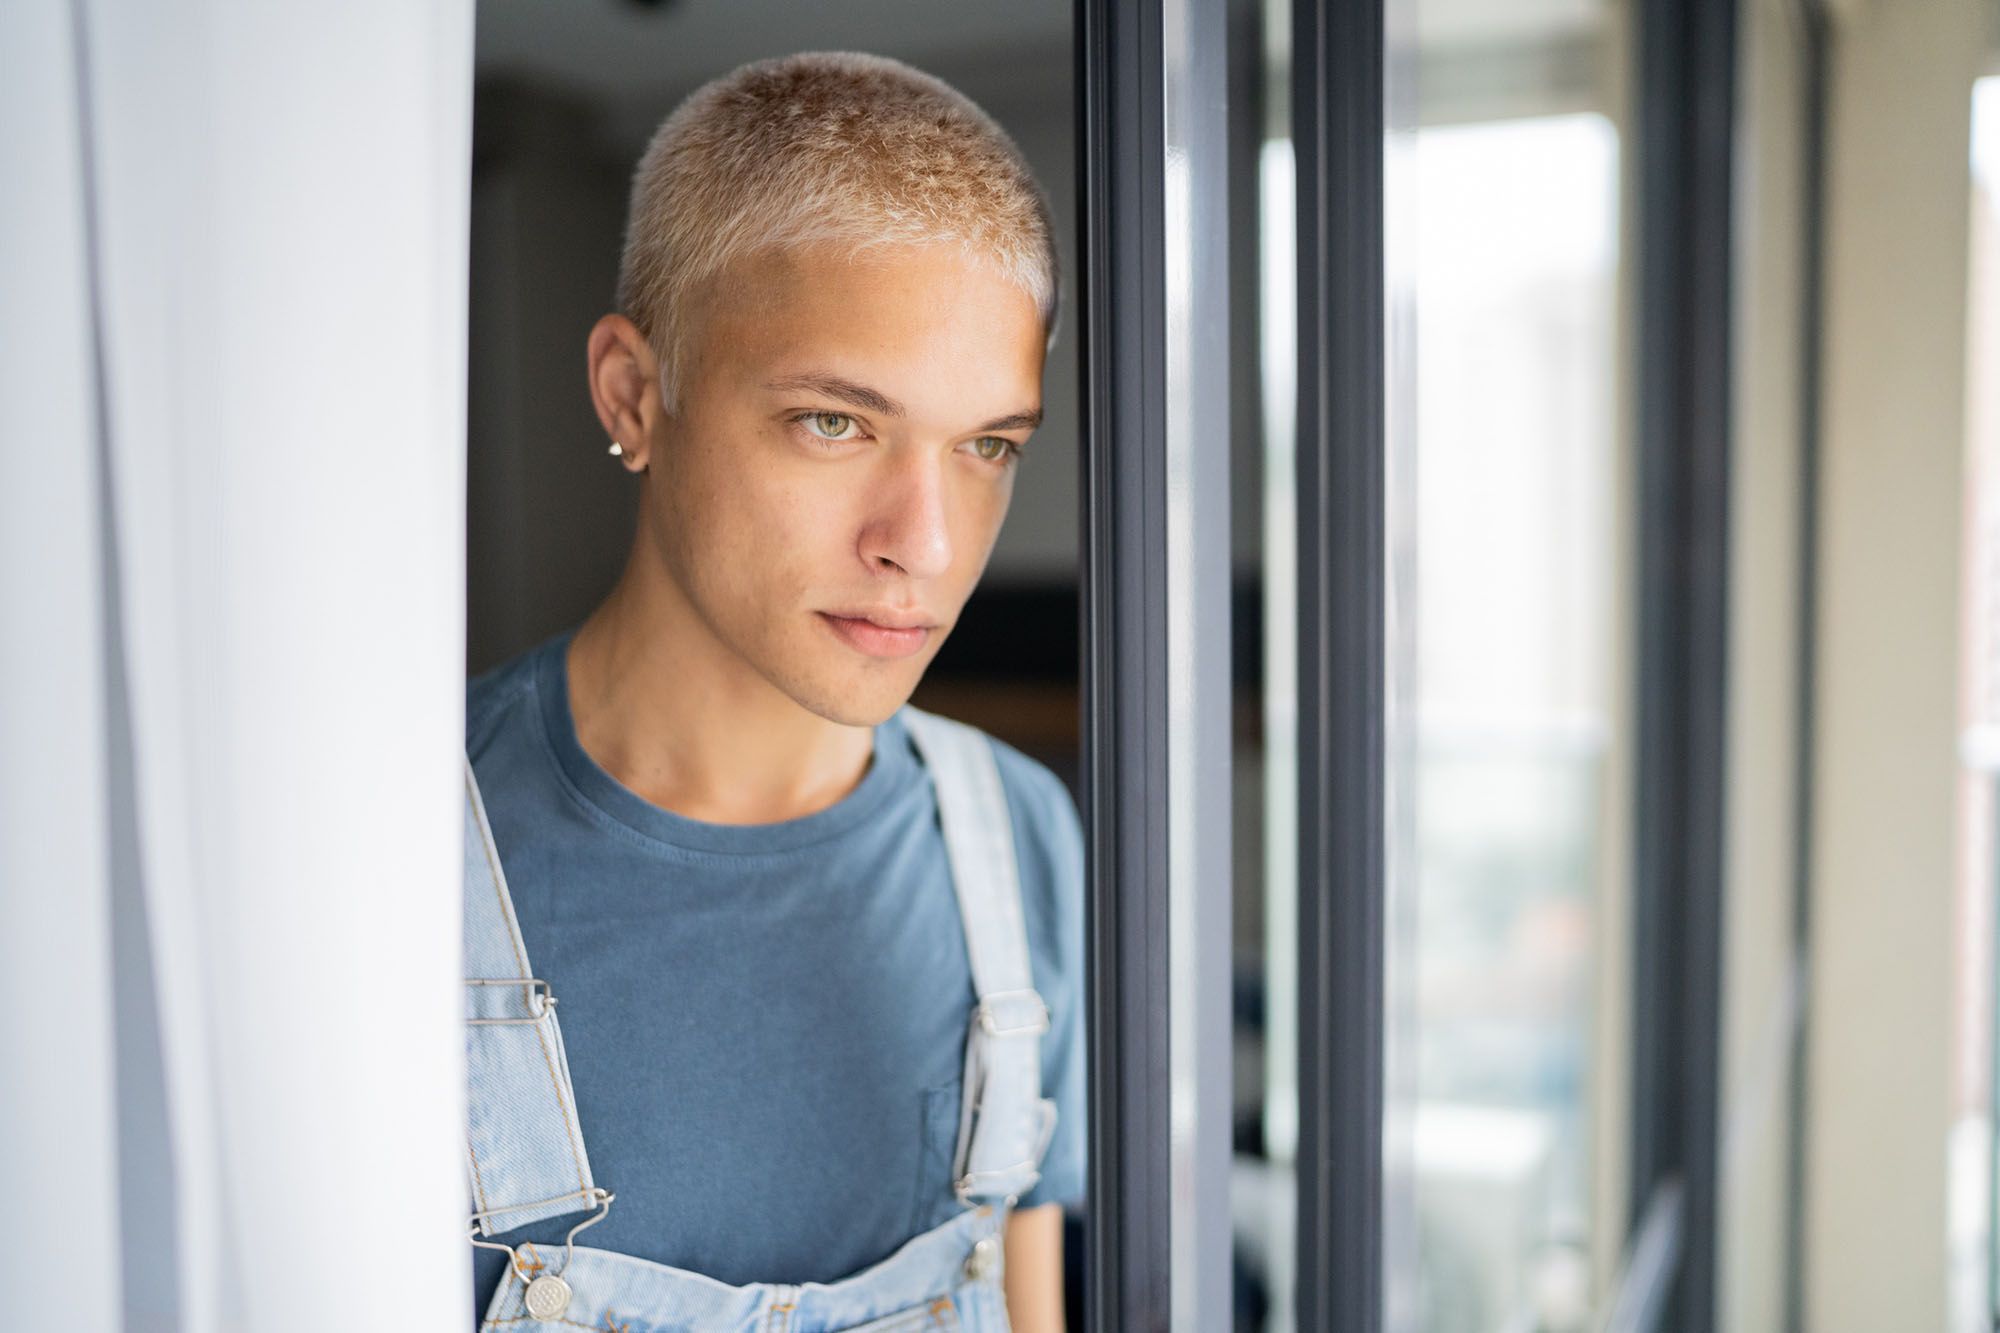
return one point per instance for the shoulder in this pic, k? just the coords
(1048, 834)
(1044, 813)
(494, 694)
(1048, 852)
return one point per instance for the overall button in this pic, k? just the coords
(548, 1297)
(980, 1262)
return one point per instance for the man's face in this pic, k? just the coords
(842, 457)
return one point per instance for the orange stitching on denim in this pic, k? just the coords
(534, 1263)
(562, 1103)
(493, 865)
(491, 853)
(613, 1324)
(478, 1181)
(478, 1185)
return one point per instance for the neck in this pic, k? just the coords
(680, 719)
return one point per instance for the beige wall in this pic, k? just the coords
(1879, 1056)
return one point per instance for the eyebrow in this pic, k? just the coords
(847, 391)
(874, 400)
(1016, 421)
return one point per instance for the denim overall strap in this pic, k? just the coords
(524, 1148)
(1004, 1121)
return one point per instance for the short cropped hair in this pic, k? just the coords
(857, 150)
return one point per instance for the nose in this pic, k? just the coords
(908, 528)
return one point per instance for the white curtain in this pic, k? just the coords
(232, 308)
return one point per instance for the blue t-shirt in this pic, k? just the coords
(765, 1023)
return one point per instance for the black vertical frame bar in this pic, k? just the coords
(1686, 123)
(1338, 127)
(1121, 139)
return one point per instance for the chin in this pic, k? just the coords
(858, 703)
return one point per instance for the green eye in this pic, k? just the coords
(992, 448)
(830, 425)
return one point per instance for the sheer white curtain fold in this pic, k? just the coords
(268, 302)
(58, 1131)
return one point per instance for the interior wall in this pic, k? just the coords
(1041, 542)
(1878, 1076)
(548, 512)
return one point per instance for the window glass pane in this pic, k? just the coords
(1976, 1241)
(1507, 538)
(1508, 568)
(1266, 758)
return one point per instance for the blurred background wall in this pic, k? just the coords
(1888, 948)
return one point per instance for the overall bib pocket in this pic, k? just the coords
(938, 1314)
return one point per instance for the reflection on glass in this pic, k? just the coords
(1504, 533)
(1266, 751)
(1975, 1259)
(1515, 272)
(1507, 720)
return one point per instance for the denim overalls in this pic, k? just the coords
(525, 1153)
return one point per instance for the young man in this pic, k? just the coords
(818, 954)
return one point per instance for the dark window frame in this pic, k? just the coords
(1123, 631)
(1686, 123)
(1687, 69)
(1156, 734)
(1338, 124)
(1686, 78)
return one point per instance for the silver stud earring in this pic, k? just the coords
(616, 449)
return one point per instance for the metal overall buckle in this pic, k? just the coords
(548, 1294)
(536, 996)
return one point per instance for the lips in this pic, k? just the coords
(881, 633)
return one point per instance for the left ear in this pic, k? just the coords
(624, 387)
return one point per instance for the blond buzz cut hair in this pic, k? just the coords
(824, 147)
